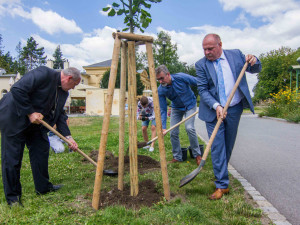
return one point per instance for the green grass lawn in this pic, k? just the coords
(257, 110)
(72, 204)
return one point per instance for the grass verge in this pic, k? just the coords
(72, 204)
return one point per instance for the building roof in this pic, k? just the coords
(106, 63)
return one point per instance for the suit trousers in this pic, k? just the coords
(223, 144)
(176, 117)
(12, 148)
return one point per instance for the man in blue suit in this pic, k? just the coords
(39, 94)
(216, 76)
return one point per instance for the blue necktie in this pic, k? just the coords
(221, 84)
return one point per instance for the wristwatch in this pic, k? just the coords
(68, 137)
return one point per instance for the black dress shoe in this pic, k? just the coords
(54, 188)
(15, 203)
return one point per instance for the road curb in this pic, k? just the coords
(263, 203)
(268, 209)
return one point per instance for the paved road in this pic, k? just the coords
(267, 154)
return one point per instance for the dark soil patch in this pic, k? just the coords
(145, 163)
(148, 195)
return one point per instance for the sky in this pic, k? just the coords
(84, 32)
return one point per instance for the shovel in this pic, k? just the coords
(195, 172)
(67, 141)
(143, 144)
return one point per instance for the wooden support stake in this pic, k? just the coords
(105, 125)
(133, 37)
(122, 117)
(134, 187)
(162, 153)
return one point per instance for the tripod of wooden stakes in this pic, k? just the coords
(126, 42)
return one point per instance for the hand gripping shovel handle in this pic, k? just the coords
(67, 141)
(176, 125)
(195, 172)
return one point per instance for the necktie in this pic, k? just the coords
(221, 84)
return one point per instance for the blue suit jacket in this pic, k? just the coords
(207, 82)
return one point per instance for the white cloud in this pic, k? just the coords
(7, 5)
(267, 9)
(19, 11)
(93, 48)
(243, 20)
(51, 22)
(48, 21)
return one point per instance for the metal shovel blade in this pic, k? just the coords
(110, 172)
(187, 179)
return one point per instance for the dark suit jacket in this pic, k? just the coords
(207, 82)
(37, 91)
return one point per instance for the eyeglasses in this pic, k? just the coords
(161, 78)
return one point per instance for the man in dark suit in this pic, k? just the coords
(40, 94)
(216, 76)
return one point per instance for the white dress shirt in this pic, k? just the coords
(229, 82)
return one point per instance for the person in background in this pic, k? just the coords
(39, 95)
(145, 112)
(216, 76)
(176, 87)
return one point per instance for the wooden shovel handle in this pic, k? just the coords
(67, 141)
(176, 125)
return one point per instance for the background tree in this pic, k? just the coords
(1, 47)
(6, 60)
(135, 15)
(58, 62)
(171, 60)
(274, 75)
(32, 55)
(3, 63)
(141, 60)
(19, 64)
(105, 79)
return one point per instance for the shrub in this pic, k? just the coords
(284, 104)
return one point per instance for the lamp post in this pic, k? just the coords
(297, 69)
(164, 43)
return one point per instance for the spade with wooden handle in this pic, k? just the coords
(171, 128)
(67, 141)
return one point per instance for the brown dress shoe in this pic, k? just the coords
(198, 160)
(219, 193)
(173, 161)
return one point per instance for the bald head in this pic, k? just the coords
(212, 46)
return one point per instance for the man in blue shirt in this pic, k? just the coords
(176, 87)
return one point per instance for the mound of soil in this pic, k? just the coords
(145, 163)
(148, 195)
